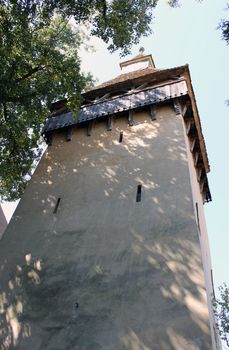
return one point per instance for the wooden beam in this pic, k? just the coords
(199, 174)
(130, 118)
(142, 86)
(89, 127)
(188, 126)
(192, 144)
(184, 109)
(69, 132)
(153, 112)
(177, 106)
(202, 185)
(198, 161)
(109, 123)
(49, 138)
(104, 97)
(196, 158)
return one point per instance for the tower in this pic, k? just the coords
(108, 247)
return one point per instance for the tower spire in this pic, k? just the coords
(141, 51)
(138, 62)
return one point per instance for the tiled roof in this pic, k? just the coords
(124, 81)
(129, 101)
(127, 76)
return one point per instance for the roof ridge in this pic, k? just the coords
(125, 76)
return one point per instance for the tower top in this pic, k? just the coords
(138, 62)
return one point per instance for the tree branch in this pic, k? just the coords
(14, 99)
(30, 73)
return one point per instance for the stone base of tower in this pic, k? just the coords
(100, 270)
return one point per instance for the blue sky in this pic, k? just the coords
(188, 35)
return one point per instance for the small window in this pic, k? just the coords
(212, 283)
(121, 137)
(56, 206)
(139, 193)
(197, 217)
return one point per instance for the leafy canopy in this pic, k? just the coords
(221, 308)
(224, 26)
(39, 63)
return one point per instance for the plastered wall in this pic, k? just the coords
(204, 244)
(104, 271)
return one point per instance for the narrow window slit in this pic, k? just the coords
(212, 283)
(139, 193)
(121, 136)
(197, 216)
(56, 206)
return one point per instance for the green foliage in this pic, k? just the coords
(39, 63)
(221, 309)
(224, 27)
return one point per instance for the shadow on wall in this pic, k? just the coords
(99, 309)
(105, 272)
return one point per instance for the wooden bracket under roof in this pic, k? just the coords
(151, 87)
(195, 148)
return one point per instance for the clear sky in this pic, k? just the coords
(188, 35)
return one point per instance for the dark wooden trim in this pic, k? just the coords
(152, 112)
(130, 118)
(109, 123)
(202, 183)
(177, 106)
(89, 127)
(49, 138)
(69, 132)
(188, 126)
(199, 173)
(104, 97)
(192, 145)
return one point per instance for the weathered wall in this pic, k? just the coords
(204, 244)
(106, 272)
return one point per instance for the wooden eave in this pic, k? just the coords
(127, 81)
(187, 77)
(157, 76)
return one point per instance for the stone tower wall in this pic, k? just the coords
(105, 272)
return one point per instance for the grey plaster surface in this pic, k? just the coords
(106, 272)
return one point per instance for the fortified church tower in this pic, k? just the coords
(108, 248)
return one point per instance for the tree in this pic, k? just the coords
(39, 63)
(36, 67)
(224, 27)
(221, 308)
